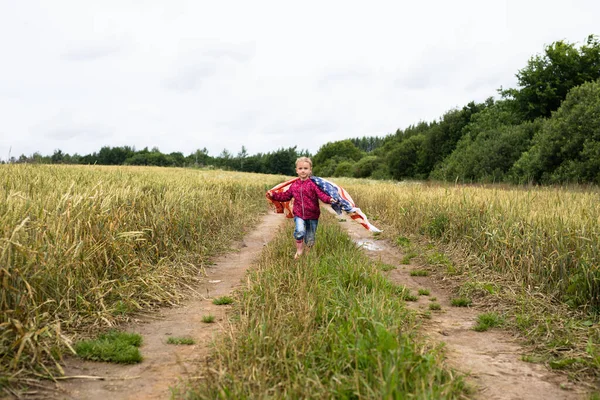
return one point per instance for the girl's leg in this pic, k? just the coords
(311, 232)
(299, 248)
(299, 234)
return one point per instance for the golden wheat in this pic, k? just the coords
(82, 246)
(544, 238)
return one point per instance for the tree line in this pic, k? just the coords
(545, 131)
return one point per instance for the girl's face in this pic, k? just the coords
(303, 170)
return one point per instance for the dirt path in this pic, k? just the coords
(492, 358)
(164, 364)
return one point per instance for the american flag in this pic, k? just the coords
(344, 201)
(283, 207)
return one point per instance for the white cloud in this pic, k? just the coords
(182, 75)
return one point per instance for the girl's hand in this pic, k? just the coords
(269, 194)
(332, 201)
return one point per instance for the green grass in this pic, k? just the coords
(180, 340)
(114, 346)
(419, 272)
(487, 320)
(408, 257)
(410, 297)
(208, 319)
(326, 326)
(424, 292)
(435, 306)
(223, 300)
(386, 267)
(461, 302)
(403, 241)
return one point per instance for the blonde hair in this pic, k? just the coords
(304, 159)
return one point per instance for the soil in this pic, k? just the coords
(490, 359)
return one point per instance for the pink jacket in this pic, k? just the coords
(306, 198)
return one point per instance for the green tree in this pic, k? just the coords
(200, 158)
(567, 148)
(406, 159)
(344, 168)
(343, 150)
(546, 80)
(490, 145)
(282, 161)
(57, 156)
(367, 144)
(366, 166)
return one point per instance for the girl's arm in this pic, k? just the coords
(283, 196)
(325, 198)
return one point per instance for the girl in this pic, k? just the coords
(306, 211)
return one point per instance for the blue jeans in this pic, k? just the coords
(305, 229)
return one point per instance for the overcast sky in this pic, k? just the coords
(183, 75)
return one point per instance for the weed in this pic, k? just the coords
(488, 320)
(419, 272)
(439, 259)
(114, 346)
(460, 302)
(438, 225)
(402, 241)
(471, 288)
(208, 319)
(410, 297)
(223, 300)
(564, 363)
(386, 267)
(424, 292)
(408, 257)
(532, 358)
(435, 306)
(180, 340)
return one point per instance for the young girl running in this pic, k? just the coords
(306, 211)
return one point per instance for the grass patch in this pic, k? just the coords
(439, 259)
(479, 288)
(403, 241)
(425, 314)
(326, 326)
(208, 319)
(423, 292)
(386, 267)
(114, 346)
(180, 340)
(408, 257)
(487, 320)
(419, 272)
(461, 302)
(435, 306)
(219, 301)
(410, 297)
